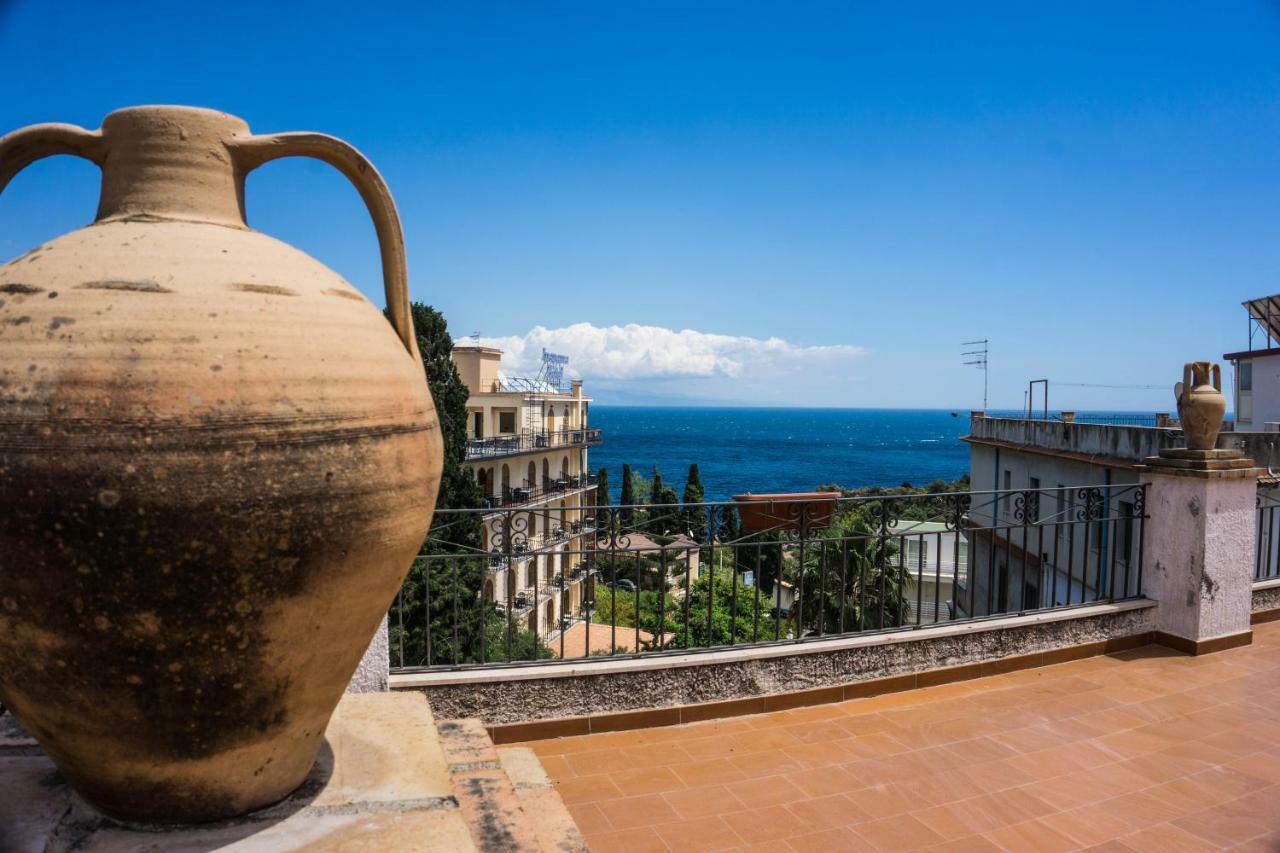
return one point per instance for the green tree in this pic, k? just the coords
(444, 575)
(668, 518)
(694, 516)
(602, 487)
(853, 579)
(627, 497)
(739, 613)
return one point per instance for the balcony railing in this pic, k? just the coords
(686, 578)
(531, 442)
(525, 495)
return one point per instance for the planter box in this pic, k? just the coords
(786, 511)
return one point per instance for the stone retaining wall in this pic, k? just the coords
(519, 694)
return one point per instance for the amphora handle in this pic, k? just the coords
(21, 148)
(252, 151)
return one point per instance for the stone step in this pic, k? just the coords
(552, 824)
(485, 795)
(507, 799)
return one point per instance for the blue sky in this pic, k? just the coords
(775, 203)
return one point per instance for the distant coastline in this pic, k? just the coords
(784, 449)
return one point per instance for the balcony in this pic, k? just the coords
(529, 496)
(531, 442)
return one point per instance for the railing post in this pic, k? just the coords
(1199, 546)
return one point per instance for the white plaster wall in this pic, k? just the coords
(1200, 554)
(373, 674)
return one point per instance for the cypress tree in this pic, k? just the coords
(627, 497)
(694, 516)
(602, 488)
(454, 578)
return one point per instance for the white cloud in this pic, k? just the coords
(635, 352)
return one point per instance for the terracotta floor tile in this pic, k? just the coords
(828, 780)
(578, 789)
(589, 818)
(884, 800)
(646, 780)
(972, 844)
(1167, 838)
(992, 776)
(771, 823)
(979, 749)
(1088, 825)
(719, 771)
(643, 840)
(706, 833)
(630, 812)
(1233, 822)
(864, 724)
(769, 791)
(693, 803)
(1260, 765)
(898, 833)
(1033, 836)
(1141, 809)
(1142, 750)
(827, 812)
(830, 841)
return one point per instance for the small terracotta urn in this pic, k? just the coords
(1201, 405)
(217, 463)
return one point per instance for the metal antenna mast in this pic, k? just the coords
(979, 360)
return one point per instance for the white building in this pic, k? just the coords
(527, 442)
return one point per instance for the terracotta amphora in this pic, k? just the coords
(217, 462)
(1201, 405)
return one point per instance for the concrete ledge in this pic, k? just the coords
(1266, 600)
(656, 691)
(569, 726)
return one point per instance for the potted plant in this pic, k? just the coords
(786, 511)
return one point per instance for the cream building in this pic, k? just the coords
(527, 442)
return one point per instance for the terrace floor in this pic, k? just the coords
(1143, 750)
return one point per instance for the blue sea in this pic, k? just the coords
(781, 450)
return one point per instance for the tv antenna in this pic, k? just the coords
(978, 359)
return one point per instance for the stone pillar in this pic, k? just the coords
(374, 673)
(1199, 542)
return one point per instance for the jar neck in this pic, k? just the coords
(172, 163)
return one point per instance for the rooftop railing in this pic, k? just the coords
(669, 579)
(530, 442)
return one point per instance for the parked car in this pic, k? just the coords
(622, 584)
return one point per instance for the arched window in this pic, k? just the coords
(506, 481)
(531, 479)
(546, 473)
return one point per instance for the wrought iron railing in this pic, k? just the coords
(525, 495)
(646, 580)
(529, 442)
